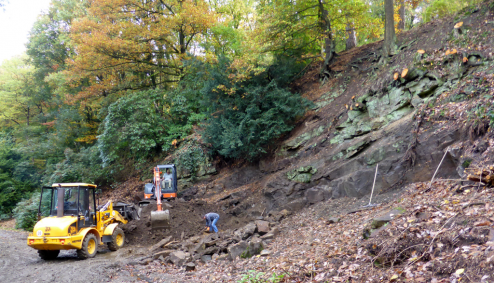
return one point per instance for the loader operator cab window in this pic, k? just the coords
(77, 201)
(87, 209)
(69, 201)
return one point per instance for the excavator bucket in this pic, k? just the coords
(160, 219)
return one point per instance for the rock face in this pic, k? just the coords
(179, 257)
(321, 163)
(381, 220)
(247, 231)
(262, 227)
(237, 249)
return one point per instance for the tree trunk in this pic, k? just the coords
(351, 42)
(389, 47)
(326, 30)
(401, 24)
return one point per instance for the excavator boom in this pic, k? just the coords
(159, 219)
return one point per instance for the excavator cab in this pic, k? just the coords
(167, 182)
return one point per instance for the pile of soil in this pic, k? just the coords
(186, 221)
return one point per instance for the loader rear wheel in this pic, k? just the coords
(89, 247)
(117, 239)
(48, 255)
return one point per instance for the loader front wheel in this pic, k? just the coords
(48, 255)
(117, 239)
(89, 247)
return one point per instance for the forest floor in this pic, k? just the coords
(441, 234)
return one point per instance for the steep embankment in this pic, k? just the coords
(311, 189)
(363, 117)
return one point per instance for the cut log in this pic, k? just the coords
(474, 178)
(458, 31)
(404, 73)
(410, 75)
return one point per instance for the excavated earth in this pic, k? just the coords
(186, 221)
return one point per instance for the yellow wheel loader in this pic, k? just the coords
(72, 221)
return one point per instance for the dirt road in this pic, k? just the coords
(20, 263)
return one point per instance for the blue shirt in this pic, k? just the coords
(210, 217)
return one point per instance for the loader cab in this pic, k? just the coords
(70, 199)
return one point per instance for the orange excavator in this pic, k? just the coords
(163, 187)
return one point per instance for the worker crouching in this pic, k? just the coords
(211, 220)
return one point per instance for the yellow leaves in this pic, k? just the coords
(130, 42)
(459, 271)
(458, 25)
(420, 51)
(396, 76)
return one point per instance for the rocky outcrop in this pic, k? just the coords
(240, 243)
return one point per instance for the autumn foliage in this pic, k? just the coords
(131, 44)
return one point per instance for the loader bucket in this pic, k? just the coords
(160, 219)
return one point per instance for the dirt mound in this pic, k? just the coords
(186, 221)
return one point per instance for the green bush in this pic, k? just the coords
(246, 116)
(443, 8)
(253, 276)
(83, 166)
(142, 124)
(26, 212)
(190, 156)
(16, 176)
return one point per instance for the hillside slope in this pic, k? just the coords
(439, 113)
(363, 117)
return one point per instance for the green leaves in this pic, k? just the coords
(242, 124)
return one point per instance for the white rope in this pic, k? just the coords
(373, 185)
(430, 184)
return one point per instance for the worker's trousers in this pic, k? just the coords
(213, 225)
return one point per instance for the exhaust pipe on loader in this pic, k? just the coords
(159, 219)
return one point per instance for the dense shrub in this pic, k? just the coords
(83, 166)
(16, 176)
(26, 212)
(247, 115)
(443, 8)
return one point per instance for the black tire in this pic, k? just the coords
(88, 250)
(48, 255)
(117, 239)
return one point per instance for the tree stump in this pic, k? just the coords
(458, 30)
